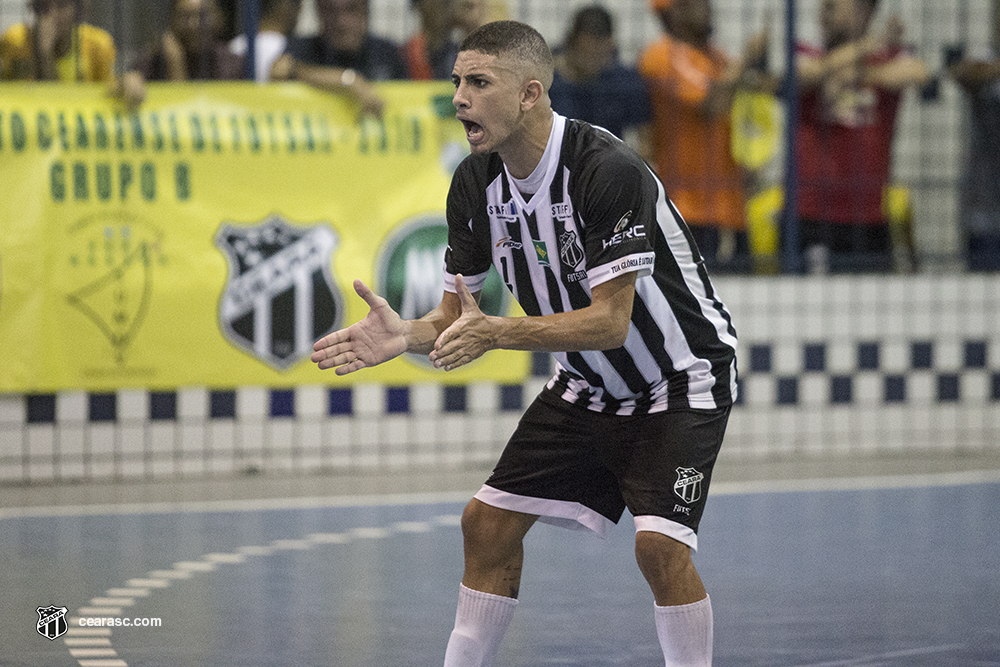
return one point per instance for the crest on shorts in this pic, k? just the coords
(281, 295)
(688, 484)
(51, 622)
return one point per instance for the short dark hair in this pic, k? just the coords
(594, 20)
(510, 38)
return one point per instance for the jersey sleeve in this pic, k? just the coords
(466, 254)
(618, 214)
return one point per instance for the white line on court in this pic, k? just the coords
(718, 488)
(876, 659)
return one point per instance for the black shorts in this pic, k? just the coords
(580, 469)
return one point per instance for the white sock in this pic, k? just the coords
(685, 633)
(480, 623)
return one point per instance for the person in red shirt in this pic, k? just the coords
(851, 89)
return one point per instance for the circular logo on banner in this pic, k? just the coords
(411, 270)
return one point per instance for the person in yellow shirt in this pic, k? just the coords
(57, 47)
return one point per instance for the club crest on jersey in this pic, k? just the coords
(51, 622)
(570, 251)
(541, 252)
(688, 484)
(281, 294)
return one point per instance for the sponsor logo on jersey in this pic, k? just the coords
(623, 222)
(51, 622)
(281, 295)
(507, 242)
(630, 234)
(562, 211)
(570, 251)
(410, 271)
(503, 212)
(688, 484)
(541, 252)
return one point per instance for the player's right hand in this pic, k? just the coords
(379, 337)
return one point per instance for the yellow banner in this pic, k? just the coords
(211, 237)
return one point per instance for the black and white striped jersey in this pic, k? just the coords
(599, 212)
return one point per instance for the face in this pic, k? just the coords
(842, 21)
(590, 54)
(344, 23)
(193, 20)
(488, 93)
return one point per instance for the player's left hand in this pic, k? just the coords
(468, 338)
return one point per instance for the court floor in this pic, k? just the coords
(827, 563)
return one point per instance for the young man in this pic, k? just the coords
(851, 89)
(591, 83)
(606, 270)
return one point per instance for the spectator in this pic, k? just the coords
(469, 15)
(344, 57)
(431, 52)
(980, 216)
(590, 83)
(59, 47)
(192, 47)
(851, 89)
(277, 21)
(691, 85)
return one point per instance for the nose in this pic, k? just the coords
(459, 98)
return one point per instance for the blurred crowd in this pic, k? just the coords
(701, 116)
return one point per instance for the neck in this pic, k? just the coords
(522, 158)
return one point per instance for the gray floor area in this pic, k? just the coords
(829, 562)
(730, 474)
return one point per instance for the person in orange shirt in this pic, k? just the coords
(691, 85)
(57, 47)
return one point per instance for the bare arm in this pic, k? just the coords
(897, 74)
(745, 73)
(603, 325)
(974, 74)
(331, 79)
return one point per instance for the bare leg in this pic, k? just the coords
(683, 610)
(494, 553)
(494, 548)
(666, 565)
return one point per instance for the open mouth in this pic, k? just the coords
(473, 131)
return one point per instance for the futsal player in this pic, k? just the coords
(604, 266)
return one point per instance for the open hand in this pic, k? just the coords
(468, 338)
(379, 337)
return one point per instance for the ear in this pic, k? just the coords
(531, 94)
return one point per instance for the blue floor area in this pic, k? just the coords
(901, 576)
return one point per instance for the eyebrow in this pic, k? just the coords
(475, 76)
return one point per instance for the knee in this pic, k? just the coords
(488, 529)
(660, 557)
